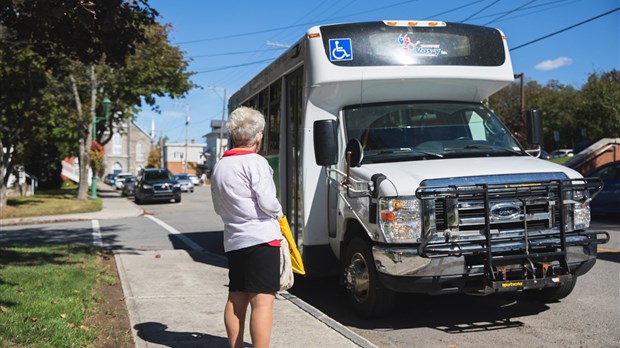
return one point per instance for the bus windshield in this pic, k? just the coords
(409, 131)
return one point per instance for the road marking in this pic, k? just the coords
(606, 250)
(190, 243)
(97, 241)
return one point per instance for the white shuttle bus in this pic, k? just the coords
(397, 177)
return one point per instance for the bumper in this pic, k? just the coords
(445, 268)
(161, 195)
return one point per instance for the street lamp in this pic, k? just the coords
(106, 112)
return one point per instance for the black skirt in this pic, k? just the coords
(254, 269)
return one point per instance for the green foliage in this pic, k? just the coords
(154, 158)
(595, 108)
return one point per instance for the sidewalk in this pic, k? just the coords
(175, 298)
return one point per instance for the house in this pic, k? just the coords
(128, 150)
(217, 143)
(184, 158)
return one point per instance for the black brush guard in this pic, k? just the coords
(536, 258)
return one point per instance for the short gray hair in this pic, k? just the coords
(245, 125)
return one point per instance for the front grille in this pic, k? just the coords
(507, 211)
(499, 211)
(162, 187)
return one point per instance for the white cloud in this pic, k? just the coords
(553, 64)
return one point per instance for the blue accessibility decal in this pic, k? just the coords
(340, 49)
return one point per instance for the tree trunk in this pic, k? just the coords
(85, 129)
(6, 166)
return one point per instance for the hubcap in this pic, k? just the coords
(357, 277)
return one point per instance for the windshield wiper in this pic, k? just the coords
(409, 150)
(494, 147)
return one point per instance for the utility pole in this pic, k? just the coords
(186, 129)
(219, 144)
(221, 147)
(521, 77)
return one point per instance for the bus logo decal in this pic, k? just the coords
(418, 48)
(340, 49)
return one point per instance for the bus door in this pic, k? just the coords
(292, 132)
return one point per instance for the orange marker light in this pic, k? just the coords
(313, 35)
(388, 216)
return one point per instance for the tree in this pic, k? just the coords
(87, 33)
(154, 158)
(156, 68)
(599, 105)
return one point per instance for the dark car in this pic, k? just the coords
(156, 184)
(608, 200)
(129, 185)
(110, 179)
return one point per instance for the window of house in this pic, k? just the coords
(139, 153)
(117, 145)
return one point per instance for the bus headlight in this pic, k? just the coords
(581, 210)
(400, 219)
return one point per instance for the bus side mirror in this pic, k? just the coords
(534, 127)
(326, 142)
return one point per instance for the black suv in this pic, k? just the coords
(156, 184)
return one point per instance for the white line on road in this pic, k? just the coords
(97, 241)
(193, 246)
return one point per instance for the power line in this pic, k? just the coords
(480, 11)
(565, 29)
(509, 12)
(291, 26)
(234, 66)
(236, 53)
(452, 10)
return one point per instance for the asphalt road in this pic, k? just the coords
(589, 317)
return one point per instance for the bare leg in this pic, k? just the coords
(234, 317)
(261, 319)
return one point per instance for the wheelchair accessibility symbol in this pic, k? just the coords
(340, 49)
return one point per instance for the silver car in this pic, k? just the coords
(186, 183)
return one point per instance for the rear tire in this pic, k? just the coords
(552, 294)
(368, 297)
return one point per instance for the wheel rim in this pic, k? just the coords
(357, 277)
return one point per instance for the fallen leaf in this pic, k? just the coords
(71, 325)
(3, 309)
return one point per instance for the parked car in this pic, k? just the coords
(608, 200)
(128, 186)
(185, 182)
(195, 180)
(120, 180)
(559, 153)
(156, 184)
(109, 179)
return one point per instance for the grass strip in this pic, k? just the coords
(51, 202)
(47, 294)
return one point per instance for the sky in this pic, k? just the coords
(229, 42)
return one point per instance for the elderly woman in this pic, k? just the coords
(244, 195)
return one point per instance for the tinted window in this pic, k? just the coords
(158, 175)
(374, 43)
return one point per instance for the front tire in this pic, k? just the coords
(368, 297)
(547, 295)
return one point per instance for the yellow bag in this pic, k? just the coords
(297, 263)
